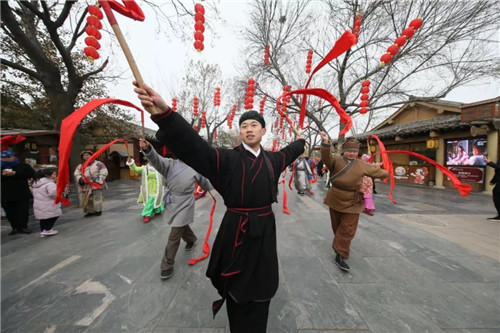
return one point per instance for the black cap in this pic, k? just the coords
(253, 115)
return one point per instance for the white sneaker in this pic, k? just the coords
(46, 233)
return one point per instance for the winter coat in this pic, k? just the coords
(44, 194)
(15, 188)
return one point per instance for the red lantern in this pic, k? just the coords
(408, 33)
(92, 29)
(262, 102)
(363, 110)
(199, 27)
(203, 119)
(195, 127)
(364, 96)
(386, 58)
(363, 104)
(91, 53)
(357, 26)
(95, 11)
(309, 61)
(416, 23)
(92, 42)
(94, 21)
(249, 95)
(366, 83)
(215, 134)
(393, 49)
(174, 104)
(195, 107)
(400, 41)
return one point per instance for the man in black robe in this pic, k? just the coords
(243, 264)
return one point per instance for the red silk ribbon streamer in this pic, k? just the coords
(344, 43)
(206, 247)
(291, 177)
(68, 128)
(463, 189)
(285, 197)
(324, 94)
(96, 155)
(131, 10)
(386, 162)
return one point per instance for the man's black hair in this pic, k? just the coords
(253, 115)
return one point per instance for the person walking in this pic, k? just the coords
(90, 198)
(302, 173)
(243, 265)
(179, 209)
(151, 193)
(16, 194)
(496, 190)
(344, 197)
(44, 194)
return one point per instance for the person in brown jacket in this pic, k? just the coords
(344, 198)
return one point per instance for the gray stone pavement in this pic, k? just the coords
(428, 264)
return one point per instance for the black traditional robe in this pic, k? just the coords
(244, 261)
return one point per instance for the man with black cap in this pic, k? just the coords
(244, 262)
(344, 197)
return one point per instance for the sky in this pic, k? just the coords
(161, 59)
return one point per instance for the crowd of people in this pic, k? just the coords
(243, 265)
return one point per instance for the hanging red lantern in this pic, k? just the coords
(262, 103)
(195, 107)
(91, 53)
(92, 42)
(217, 97)
(309, 61)
(195, 127)
(174, 104)
(95, 11)
(365, 89)
(400, 41)
(199, 27)
(92, 30)
(249, 95)
(357, 26)
(266, 55)
(203, 119)
(215, 134)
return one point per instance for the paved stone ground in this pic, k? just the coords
(428, 264)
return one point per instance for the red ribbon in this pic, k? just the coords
(463, 189)
(206, 247)
(10, 140)
(386, 162)
(344, 43)
(131, 10)
(285, 197)
(324, 94)
(94, 156)
(291, 177)
(68, 128)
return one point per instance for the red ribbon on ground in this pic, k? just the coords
(463, 189)
(386, 162)
(68, 128)
(96, 155)
(344, 43)
(324, 94)
(206, 247)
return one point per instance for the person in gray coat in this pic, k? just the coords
(179, 202)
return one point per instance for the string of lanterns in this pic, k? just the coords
(92, 29)
(309, 61)
(400, 41)
(199, 27)
(250, 93)
(365, 89)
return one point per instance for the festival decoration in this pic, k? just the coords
(203, 119)
(344, 43)
(249, 95)
(266, 55)
(199, 26)
(400, 41)
(230, 117)
(309, 61)
(365, 89)
(96, 155)
(217, 97)
(262, 103)
(357, 26)
(68, 129)
(92, 29)
(195, 107)
(174, 104)
(285, 197)
(215, 134)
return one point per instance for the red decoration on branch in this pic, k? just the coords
(400, 41)
(365, 89)
(309, 61)
(266, 55)
(215, 134)
(249, 95)
(217, 97)
(230, 117)
(203, 119)
(199, 18)
(262, 103)
(93, 26)
(357, 26)
(174, 104)
(195, 107)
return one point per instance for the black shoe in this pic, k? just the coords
(374, 192)
(189, 246)
(89, 214)
(25, 231)
(341, 263)
(13, 232)
(167, 273)
(496, 218)
(97, 213)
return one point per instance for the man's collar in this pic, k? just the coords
(247, 147)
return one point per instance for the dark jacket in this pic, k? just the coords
(15, 188)
(496, 178)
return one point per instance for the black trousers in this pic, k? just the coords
(47, 224)
(248, 317)
(496, 201)
(17, 213)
